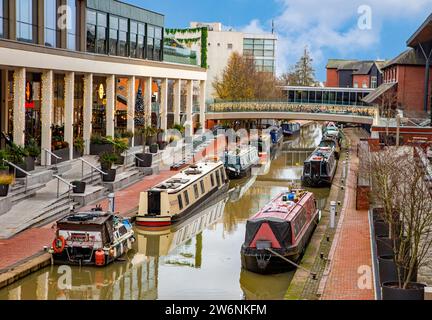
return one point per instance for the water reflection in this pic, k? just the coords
(199, 259)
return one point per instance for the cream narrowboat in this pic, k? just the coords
(182, 195)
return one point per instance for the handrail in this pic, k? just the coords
(93, 166)
(21, 170)
(51, 154)
(65, 182)
(134, 155)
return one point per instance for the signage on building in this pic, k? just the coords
(101, 91)
(29, 103)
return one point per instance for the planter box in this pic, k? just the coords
(147, 160)
(138, 140)
(387, 269)
(18, 174)
(384, 246)
(29, 164)
(97, 149)
(151, 140)
(120, 161)
(79, 187)
(162, 145)
(381, 228)
(154, 148)
(111, 175)
(391, 291)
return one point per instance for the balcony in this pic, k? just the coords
(180, 55)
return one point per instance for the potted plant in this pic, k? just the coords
(154, 148)
(129, 135)
(107, 159)
(120, 146)
(160, 134)
(4, 155)
(79, 146)
(162, 145)
(180, 128)
(17, 156)
(79, 187)
(149, 135)
(100, 144)
(5, 181)
(34, 152)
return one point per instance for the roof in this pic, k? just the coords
(371, 97)
(408, 57)
(423, 33)
(335, 63)
(359, 66)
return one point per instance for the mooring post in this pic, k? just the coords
(332, 214)
(111, 203)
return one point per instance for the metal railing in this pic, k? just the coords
(49, 153)
(134, 155)
(93, 167)
(60, 179)
(20, 170)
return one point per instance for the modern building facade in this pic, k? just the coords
(222, 43)
(74, 68)
(354, 73)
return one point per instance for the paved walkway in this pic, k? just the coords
(30, 243)
(351, 252)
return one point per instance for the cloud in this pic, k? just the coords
(332, 25)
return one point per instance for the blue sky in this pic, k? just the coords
(329, 28)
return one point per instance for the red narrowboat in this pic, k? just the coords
(284, 226)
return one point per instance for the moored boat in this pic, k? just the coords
(290, 129)
(91, 238)
(283, 226)
(239, 163)
(319, 169)
(331, 142)
(182, 195)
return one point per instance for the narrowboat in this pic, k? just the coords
(182, 195)
(91, 238)
(331, 142)
(284, 226)
(290, 129)
(238, 163)
(319, 169)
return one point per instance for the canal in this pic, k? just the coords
(199, 259)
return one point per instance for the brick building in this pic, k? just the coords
(406, 78)
(354, 73)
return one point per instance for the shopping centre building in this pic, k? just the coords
(74, 68)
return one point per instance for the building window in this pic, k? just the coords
(364, 84)
(91, 31)
(150, 42)
(230, 46)
(72, 25)
(141, 52)
(374, 82)
(113, 35)
(101, 33)
(50, 23)
(123, 38)
(3, 18)
(26, 31)
(356, 84)
(133, 41)
(158, 44)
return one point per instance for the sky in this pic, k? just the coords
(342, 29)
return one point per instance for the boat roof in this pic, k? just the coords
(321, 153)
(89, 218)
(243, 151)
(284, 210)
(188, 176)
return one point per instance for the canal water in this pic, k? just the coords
(199, 259)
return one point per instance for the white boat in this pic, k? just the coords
(182, 195)
(238, 163)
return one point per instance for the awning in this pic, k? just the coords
(371, 97)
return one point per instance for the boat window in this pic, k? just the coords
(196, 191)
(222, 171)
(212, 180)
(202, 187)
(315, 168)
(218, 178)
(186, 195)
(180, 201)
(307, 168)
(324, 168)
(122, 231)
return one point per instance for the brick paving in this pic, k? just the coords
(352, 246)
(31, 242)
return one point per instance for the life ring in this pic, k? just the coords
(59, 241)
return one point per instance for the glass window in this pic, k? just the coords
(25, 31)
(268, 53)
(91, 38)
(113, 35)
(50, 23)
(180, 201)
(212, 180)
(91, 17)
(123, 37)
(202, 187)
(150, 47)
(186, 195)
(196, 191)
(101, 40)
(218, 178)
(258, 53)
(140, 47)
(102, 19)
(72, 25)
(248, 41)
(4, 24)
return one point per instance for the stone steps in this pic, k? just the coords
(92, 194)
(123, 180)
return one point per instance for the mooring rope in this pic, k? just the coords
(313, 274)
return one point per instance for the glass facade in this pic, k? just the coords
(118, 36)
(263, 51)
(72, 25)
(50, 23)
(25, 11)
(4, 22)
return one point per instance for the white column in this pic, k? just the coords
(164, 105)
(88, 111)
(131, 99)
(19, 106)
(69, 110)
(177, 101)
(148, 92)
(189, 108)
(110, 107)
(46, 119)
(202, 104)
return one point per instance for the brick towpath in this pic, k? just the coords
(30, 243)
(352, 247)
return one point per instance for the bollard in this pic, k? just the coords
(332, 214)
(344, 170)
(111, 203)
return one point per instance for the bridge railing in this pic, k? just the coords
(281, 106)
